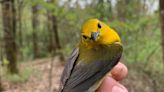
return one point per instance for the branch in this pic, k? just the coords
(50, 72)
(1, 1)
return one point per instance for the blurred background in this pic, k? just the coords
(37, 37)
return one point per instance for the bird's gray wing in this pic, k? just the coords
(83, 77)
(69, 68)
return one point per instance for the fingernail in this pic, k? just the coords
(118, 89)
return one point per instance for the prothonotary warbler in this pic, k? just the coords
(98, 51)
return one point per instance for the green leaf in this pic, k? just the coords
(5, 61)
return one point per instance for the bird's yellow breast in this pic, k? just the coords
(98, 52)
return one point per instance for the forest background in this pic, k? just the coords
(37, 36)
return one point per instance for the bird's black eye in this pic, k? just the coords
(85, 37)
(99, 26)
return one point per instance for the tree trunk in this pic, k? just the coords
(19, 14)
(161, 3)
(9, 26)
(20, 6)
(121, 9)
(1, 56)
(1, 51)
(1, 88)
(53, 31)
(35, 29)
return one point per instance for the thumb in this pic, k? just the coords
(111, 85)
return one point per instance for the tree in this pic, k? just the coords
(121, 10)
(20, 6)
(19, 10)
(35, 22)
(1, 88)
(53, 30)
(126, 9)
(9, 28)
(161, 3)
(102, 9)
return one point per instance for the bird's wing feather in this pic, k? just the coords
(68, 68)
(82, 77)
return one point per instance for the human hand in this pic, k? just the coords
(110, 83)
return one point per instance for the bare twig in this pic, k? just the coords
(50, 73)
(1, 88)
(1, 1)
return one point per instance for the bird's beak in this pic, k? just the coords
(94, 35)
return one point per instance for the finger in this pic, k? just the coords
(119, 72)
(111, 85)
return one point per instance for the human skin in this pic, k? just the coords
(111, 81)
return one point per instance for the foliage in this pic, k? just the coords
(140, 37)
(23, 76)
(139, 30)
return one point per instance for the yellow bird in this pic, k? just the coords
(98, 52)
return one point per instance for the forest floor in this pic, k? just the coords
(39, 79)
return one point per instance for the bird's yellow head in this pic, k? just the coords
(94, 32)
